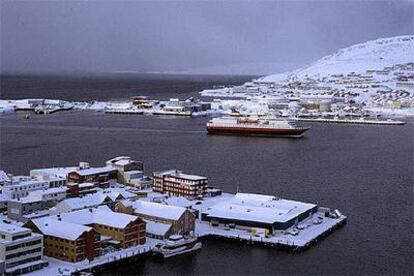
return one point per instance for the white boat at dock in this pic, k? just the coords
(173, 110)
(124, 111)
(177, 245)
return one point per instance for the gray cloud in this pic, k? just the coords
(188, 36)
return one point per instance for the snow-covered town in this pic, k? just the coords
(64, 220)
(372, 80)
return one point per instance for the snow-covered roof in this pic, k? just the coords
(155, 209)
(120, 160)
(3, 176)
(50, 191)
(92, 171)
(157, 228)
(178, 201)
(84, 202)
(59, 172)
(99, 216)
(61, 229)
(258, 208)
(115, 192)
(179, 174)
(11, 228)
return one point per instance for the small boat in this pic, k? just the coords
(177, 245)
(173, 110)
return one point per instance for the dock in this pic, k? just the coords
(124, 111)
(284, 241)
(102, 263)
(351, 121)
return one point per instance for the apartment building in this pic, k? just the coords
(21, 251)
(69, 242)
(176, 183)
(123, 230)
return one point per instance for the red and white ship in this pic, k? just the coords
(256, 126)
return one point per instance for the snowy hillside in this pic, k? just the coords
(371, 55)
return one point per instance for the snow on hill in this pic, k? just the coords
(374, 54)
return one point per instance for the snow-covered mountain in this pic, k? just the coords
(374, 54)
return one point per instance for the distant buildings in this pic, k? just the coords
(176, 183)
(21, 251)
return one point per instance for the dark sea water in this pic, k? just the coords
(365, 171)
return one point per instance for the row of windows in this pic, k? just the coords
(12, 247)
(110, 228)
(60, 239)
(21, 236)
(18, 254)
(65, 257)
(28, 260)
(28, 187)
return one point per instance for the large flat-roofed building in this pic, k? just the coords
(69, 242)
(182, 221)
(20, 249)
(249, 211)
(124, 230)
(176, 183)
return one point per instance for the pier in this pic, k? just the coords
(124, 111)
(351, 121)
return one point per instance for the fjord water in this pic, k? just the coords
(365, 171)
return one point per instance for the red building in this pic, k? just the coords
(176, 183)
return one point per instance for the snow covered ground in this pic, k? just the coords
(375, 76)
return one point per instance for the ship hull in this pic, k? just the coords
(253, 131)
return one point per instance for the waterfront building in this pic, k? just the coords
(21, 251)
(121, 230)
(69, 242)
(182, 220)
(176, 183)
(249, 211)
(84, 173)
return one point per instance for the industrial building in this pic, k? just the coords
(249, 211)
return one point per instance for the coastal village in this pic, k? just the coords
(66, 220)
(373, 95)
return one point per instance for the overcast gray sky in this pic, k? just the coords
(239, 37)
